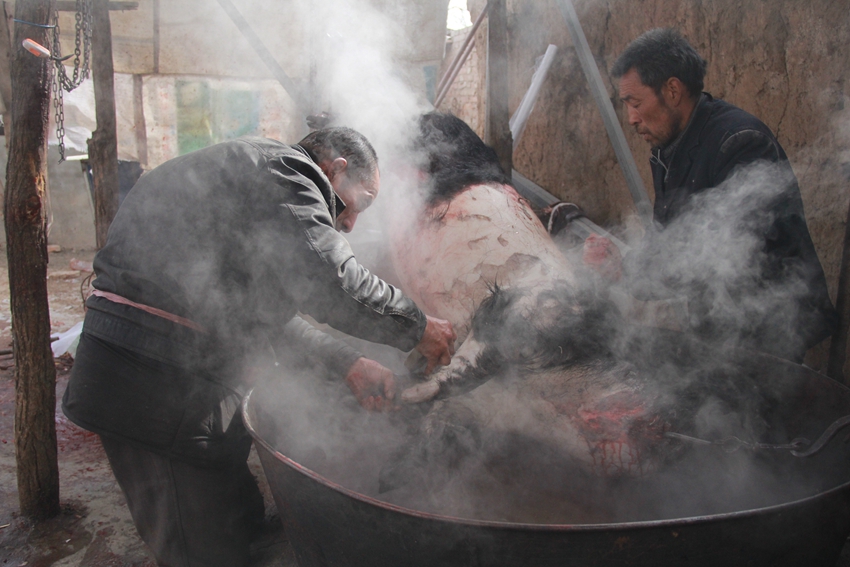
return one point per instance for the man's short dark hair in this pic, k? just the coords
(660, 54)
(331, 143)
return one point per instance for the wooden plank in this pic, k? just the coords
(26, 250)
(103, 145)
(498, 129)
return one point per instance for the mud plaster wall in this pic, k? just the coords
(785, 61)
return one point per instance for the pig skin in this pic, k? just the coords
(448, 258)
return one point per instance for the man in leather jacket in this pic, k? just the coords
(730, 234)
(207, 264)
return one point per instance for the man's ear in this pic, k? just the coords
(675, 90)
(337, 166)
(332, 168)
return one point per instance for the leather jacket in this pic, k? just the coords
(237, 238)
(240, 236)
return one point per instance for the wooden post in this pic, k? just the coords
(26, 240)
(139, 120)
(5, 73)
(103, 145)
(498, 130)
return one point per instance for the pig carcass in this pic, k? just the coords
(535, 357)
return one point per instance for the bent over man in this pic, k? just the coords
(207, 263)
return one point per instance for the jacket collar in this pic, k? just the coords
(684, 147)
(334, 203)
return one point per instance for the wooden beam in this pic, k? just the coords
(498, 130)
(113, 6)
(103, 145)
(26, 250)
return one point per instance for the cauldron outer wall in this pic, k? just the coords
(329, 525)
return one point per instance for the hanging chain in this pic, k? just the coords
(82, 65)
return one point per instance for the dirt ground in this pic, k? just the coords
(94, 528)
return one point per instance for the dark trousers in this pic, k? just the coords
(189, 516)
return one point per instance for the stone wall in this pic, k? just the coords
(783, 60)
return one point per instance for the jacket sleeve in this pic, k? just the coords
(305, 345)
(790, 252)
(318, 269)
(743, 148)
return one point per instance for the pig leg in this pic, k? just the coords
(465, 372)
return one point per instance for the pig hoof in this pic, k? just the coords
(421, 392)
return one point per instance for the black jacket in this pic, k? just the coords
(776, 300)
(238, 238)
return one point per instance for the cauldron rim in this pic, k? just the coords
(247, 417)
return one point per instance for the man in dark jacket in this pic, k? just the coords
(207, 263)
(741, 254)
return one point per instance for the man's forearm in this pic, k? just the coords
(305, 344)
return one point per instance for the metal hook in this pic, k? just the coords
(731, 443)
(825, 438)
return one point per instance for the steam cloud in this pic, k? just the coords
(364, 88)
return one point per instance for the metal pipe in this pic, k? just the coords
(541, 198)
(609, 116)
(470, 38)
(523, 111)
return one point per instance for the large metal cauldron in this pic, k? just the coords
(331, 525)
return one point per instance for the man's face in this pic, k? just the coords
(649, 112)
(356, 195)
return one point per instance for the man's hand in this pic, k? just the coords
(603, 257)
(438, 343)
(372, 384)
